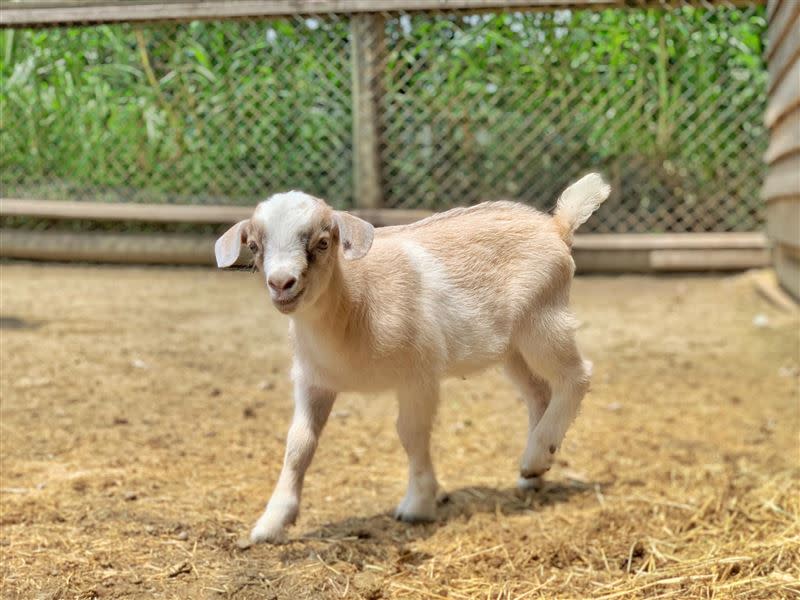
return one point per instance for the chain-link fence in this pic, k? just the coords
(667, 101)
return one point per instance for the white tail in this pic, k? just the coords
(579, 201)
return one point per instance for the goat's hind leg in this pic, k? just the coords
(551, 346)
(535, 391)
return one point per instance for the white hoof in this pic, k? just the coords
(537, 460)
(530, 483)
(416, 509)
(271, 526)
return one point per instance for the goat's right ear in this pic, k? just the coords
(230, 243)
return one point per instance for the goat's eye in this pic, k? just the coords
(322, 244)
(253, 247)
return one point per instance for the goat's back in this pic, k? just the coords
(501, 250)
(461, 282)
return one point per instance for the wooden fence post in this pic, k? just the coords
(368, 46)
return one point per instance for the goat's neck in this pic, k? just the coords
(339, 308)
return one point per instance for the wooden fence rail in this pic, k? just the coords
(86, 12)
(593, 252)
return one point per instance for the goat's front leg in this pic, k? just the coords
(414, 422)
(311, 410)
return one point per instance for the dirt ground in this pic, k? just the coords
(144, 411)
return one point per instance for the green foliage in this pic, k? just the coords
(203, 112)
(668, 103)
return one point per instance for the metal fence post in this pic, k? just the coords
(368, 50)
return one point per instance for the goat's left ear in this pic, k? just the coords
(230, 243)
(355, 235)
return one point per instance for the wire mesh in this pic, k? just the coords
(204, 112)
(668, 102)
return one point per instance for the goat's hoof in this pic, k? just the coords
(414, 510)
(409, 517)
(271, 526)
(533, 473)
(266, 534)
(530, 483)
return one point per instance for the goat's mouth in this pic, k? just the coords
(287, 305)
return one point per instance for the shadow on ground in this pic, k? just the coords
(380, 533)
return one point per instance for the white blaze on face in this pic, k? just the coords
(286, 218)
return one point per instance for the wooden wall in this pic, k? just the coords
(782, 185)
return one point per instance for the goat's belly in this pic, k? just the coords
(436, 349)
(380, 375)
(474, 353)
(358, 376)
(465, 368)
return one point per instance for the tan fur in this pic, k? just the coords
(509, 259)
(402, 307)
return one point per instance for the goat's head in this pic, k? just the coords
(296, 241)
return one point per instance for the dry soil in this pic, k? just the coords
(144, 411)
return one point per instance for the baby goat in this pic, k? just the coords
(402, 307)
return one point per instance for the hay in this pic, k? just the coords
(680, 478)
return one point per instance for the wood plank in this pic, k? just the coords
(99, 211)
(669, 241)
(772, 7)
(37, 14)
(170, 213)
(708, 260)
(33, 14)
(783, 178)
(786, 96)
(611, 261)
(368, 44)
(785, 53)
(784, 139)
(783, 221)
(791, 251)
(639, 259)
(779, 26)
(383, 217)
(118, 248)
(788, 270)
(188, 249)
(160, 213)
(173, 213)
